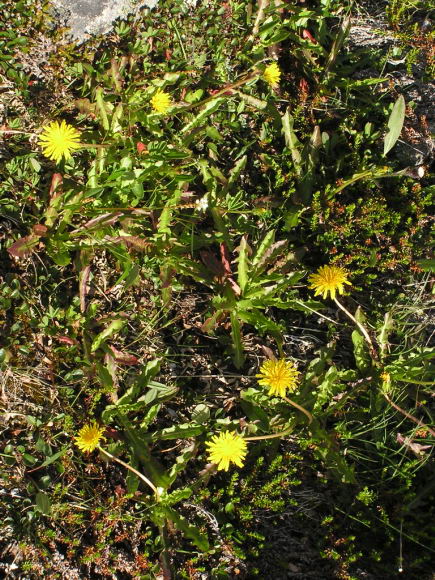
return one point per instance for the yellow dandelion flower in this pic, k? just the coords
(280, 376)
(328, 279)
(161, 102)
(272, 74)
(386, 382)
(386, 377)
(225, 448)
(89, 437)
(58, 140)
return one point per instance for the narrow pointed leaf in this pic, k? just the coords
(236, 335)
(242, 264)
(112, 329)
(191, 532)
(395, 124)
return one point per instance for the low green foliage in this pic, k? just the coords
(144, 276)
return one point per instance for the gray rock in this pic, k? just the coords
(88, 17)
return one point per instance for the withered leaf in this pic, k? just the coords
(24, 246)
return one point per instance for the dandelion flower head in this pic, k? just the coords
(226, 448)
(386, 382)
(161, 102)
(89, 437)
(280, 376)
(328, 279)
(272, 74)
(59, 140)
(386, 377)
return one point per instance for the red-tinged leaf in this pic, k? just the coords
(141, 148)
(112, 433)
(112, 367)
(138, 211)
(56, 180)
(123, 358)
(225, 257)
(304, 88)
(134, 242)
(416, 448)
(83, 286)
(5, 133)
(210, 324)
(267, 201)
(116, 74)
(187, 196)
(212, 263)
(268, 352)
(234, 286)
(67, 340)
(106, 219)
(166, 276)
(271, 254)
(222, 269)
(39, 230)
(308, 36)
(24, 246)
(228, 92)
(119, 491)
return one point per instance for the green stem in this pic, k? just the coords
(94, 145)
(273, 436)
(315, 312)
(302, 409)
(412, 381)
(177, 32)
(132, 469)
(15, 132)
(262, 6)
(289, 429)
(408, 415)
(361, 328)
(364, 523)
(223, 91)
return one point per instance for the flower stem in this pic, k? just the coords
(262, 6)
(289, 429)
(405, 380)
(273, 436)
(132, 469)
(15, 132)
(408, 415)
(360, 327)
(302, 409)
(94, 145)
(246, 79)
